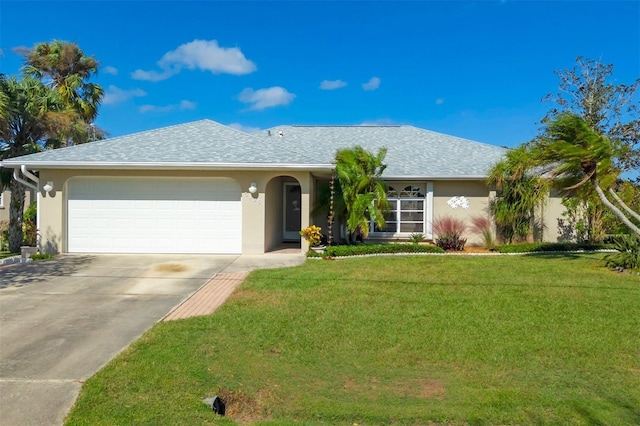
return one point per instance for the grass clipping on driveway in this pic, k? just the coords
(545, 339)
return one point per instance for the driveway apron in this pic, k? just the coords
(61, 320)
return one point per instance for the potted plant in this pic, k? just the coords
(313, 235)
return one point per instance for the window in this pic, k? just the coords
(409, 210)
(1, 200)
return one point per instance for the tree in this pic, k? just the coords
(63, 66)
(31, 113)
(577, 155)
(519, 192)
(359, 174)
(608, 109)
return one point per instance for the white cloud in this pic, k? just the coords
(439, 101)
(186, 105)
(110, 70)
(115, 95)
(332, 84)
(372, 84)
(266, 98)
(205, 55)
(182, 106)
(243, 128)
(151, 75)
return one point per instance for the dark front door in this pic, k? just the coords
(292, 212)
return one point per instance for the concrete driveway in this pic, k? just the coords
(61, 320)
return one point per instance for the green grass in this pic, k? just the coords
(540, 339)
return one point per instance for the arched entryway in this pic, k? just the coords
(283, 214)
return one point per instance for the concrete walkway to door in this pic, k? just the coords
(61, 320)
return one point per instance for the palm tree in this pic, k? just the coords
(364, 193)
(578, 156)
(64, 66)
(519, 192)
(31, 113)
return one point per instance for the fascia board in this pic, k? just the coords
(162, 165)
(434, 177)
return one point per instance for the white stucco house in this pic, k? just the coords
(203, 187)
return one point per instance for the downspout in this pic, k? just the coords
(36, 188)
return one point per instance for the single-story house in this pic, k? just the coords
(203, 187)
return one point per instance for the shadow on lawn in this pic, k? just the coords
(568, 255)
(20, 275)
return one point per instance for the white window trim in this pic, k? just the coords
(1, 199)
(427, 214)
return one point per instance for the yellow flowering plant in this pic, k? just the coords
(313, 235)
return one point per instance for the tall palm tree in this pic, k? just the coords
(519, 192)
(32, 112)
(364, 193)
(65, 67)
(578, 156)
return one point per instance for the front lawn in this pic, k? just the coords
(540, 339)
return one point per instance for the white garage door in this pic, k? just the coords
(154, 215)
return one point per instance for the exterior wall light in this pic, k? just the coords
(48, 187)
(253, 188)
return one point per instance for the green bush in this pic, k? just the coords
(416, 238)
(41, 256)
(29, 228)
(627, 255)
(361, 249)
(4, 235)
(545, 247)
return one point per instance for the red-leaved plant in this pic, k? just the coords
(481, 225)
(449, 232)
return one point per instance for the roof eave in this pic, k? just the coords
(37, 165)
(436, 177)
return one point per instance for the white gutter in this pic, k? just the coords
(36, 188)
(24, 182)
(321, 167)
(30, 175)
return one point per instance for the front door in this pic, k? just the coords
(292, 211)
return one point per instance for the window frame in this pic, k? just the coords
(395, 203)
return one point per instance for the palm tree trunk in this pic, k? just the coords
(616, 211)
(16, 213)
(623, 205)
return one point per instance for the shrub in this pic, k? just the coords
(481, 225)
(313, 235)
(4, 235)
(416, 238)
(29, 227)
(627, 255)
(449, 232)
(41, 256)
(361, 249)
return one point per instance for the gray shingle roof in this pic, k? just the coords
(412, 152)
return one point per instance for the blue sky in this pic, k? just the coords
(477, 70)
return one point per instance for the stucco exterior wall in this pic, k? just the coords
(257, 220)
(262, 212)
(477, 195)
(551, 212)
(6, 199)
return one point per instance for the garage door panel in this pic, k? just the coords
(154, 216)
